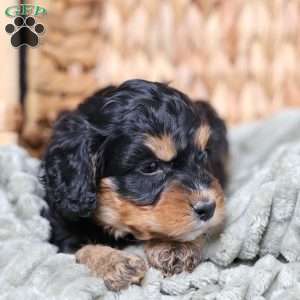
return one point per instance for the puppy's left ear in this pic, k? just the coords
(70, 168)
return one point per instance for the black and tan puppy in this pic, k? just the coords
(136, 162)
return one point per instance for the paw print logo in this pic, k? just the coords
(24, 31)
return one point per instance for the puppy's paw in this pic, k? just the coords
(117, 268)
(123, 270)
(173, 257)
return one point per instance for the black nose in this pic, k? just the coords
(205, 210)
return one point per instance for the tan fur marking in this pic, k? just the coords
(172, 217)
(117, 268)
(147, 222)
(162, 146)
(107, 214)
(202, 136)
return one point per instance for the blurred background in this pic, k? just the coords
(243, 56)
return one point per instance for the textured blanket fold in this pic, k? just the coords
(256, 257)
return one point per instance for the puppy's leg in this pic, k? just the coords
(174, 257)
(117, 268)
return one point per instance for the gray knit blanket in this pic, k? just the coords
(257, 257)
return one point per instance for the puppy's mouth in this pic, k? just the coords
(206, 213)
(179, 214)
(195, 229)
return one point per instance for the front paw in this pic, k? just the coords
(123, 270)
(117, 268)
(173, 257)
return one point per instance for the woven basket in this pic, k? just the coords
(241, 55)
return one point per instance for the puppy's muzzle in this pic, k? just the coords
(205, 193)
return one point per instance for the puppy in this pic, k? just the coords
(135, 162)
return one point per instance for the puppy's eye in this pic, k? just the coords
(150, 168)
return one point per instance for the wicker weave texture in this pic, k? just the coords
(241, 55)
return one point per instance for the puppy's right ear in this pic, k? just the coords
(69, 170)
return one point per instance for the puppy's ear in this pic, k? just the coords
(69, 168)
(219, 156)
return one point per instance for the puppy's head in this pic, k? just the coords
(155, 162)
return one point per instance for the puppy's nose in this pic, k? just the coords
(205, 210)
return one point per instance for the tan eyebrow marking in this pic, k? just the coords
(162, 146)
(202, 136)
